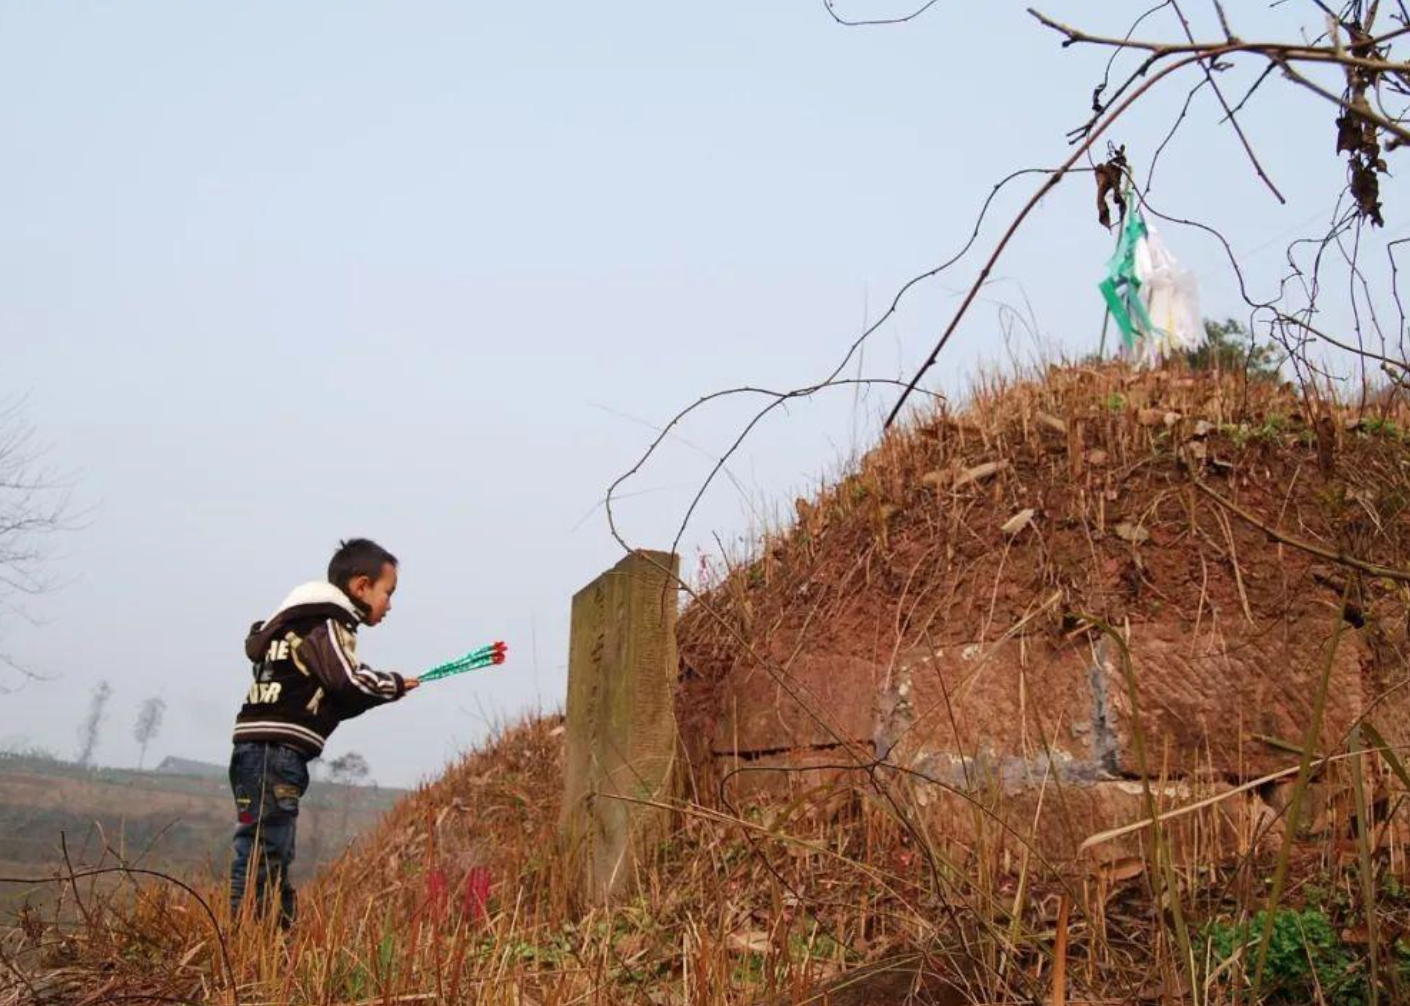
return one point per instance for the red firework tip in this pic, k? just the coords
(498, 658)
(501, 647)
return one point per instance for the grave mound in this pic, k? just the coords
(1069, 588)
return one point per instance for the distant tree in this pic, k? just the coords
(93, 723)
(349, 769)
(33, 505)
(148, 725)
(1228, 347)
(25, 749)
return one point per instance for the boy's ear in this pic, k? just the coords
(357, 586)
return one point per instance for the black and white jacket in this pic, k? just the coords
(307, 678)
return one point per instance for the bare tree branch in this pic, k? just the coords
(831, 7)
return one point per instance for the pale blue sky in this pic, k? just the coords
(275, 274)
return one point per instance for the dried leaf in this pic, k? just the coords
(1125, 868)
(1358, 934)
(632, 945)
(755, 941)
(1018, 521)
(1109, 178)
(980, 472)
(1366, 190)
(191, 954)
(1348, 133)
(1052, 422)
(1133, 533)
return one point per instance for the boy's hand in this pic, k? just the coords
(412, 684)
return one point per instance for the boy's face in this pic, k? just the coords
(375, 596)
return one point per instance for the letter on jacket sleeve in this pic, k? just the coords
(329, 652)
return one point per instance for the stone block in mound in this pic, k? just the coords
(1011, 708)
(1042, 734)
(811, 701)
(1236, 704)
(1233, 706)
(786, 775)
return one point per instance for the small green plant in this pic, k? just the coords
(1239, 433)
(353, 976)
(1375, 426)
(1115, 402)
(552, 952)
(819, 946)
(749, 971)
(1272, 429)
(1305, 957)
(387, 958)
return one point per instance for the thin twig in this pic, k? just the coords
(1342, 558)
(1209, 67)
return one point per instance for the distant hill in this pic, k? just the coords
(177, 817)
(175, 765)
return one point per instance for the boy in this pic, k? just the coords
(307, 680)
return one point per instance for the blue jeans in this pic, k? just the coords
(267, 780)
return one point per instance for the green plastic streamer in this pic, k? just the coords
(486, 656)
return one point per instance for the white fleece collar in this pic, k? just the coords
(316, 592)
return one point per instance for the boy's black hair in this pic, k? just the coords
(357, 557)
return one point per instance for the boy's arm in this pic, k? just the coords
(329, 652)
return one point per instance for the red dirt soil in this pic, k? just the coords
(954, 605)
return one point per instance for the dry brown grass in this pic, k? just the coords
(794, 897)
(728, 914)
(841, 880)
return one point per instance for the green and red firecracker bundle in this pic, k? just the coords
(486, 656)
